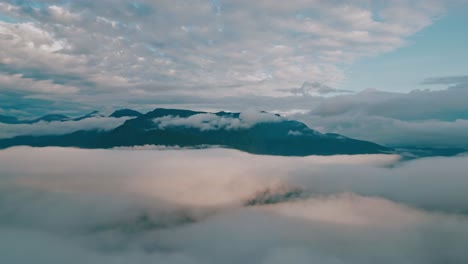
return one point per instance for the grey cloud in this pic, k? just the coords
(19, 83)
(141, 206)
(308, 88)
(394, 132)
(420, 118)
(42, 74)
(447, 80)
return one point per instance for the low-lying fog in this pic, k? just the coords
(64, 205)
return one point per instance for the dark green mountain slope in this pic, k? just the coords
(273, 137)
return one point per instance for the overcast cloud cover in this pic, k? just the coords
(108, 206)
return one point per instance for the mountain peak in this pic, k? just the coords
(125, 112)
(249, 132)
(8, 119)
(52, 118)
(91, 114)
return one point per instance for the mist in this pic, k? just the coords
(224, 206)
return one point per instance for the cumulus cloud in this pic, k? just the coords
(126, 206)
(210, 121)
(59, 128)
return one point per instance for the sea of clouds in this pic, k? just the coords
(154, 205)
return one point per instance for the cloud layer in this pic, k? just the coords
(55, 50)
(142, 206)
(421, 118)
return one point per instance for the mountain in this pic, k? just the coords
(46, 118)
(92, 114)
(125, 113)
(258, 133)
(8, 119)
(61, 118)
(49, 118)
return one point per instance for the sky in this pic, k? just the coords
(437, 50)
(392, 72)
(76, 56)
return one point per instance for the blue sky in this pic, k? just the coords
(438, 50)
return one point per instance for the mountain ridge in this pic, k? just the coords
(256, 132)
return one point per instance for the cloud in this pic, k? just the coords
(62, 14)
(415, 105)
(133, 206)
(395, 132)
(308, 88)
(418, 118)
(161, 48)
(210, 121)
(19, 83)
(59, 128)
(294, 133)
(163, 147)
(447, 80)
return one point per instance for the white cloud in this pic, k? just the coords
(28, 45)
(418, 118)
(163, 147)
(124, 206)
(210, 121)
(227, 47)
(63, 15)
(294, 133)
(18, 83)
(395, 132)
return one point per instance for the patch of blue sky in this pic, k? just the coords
(8, 19)
(438, 50)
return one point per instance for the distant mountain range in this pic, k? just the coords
(260, 133)
(62, 118)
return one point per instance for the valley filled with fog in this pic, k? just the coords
(172, 205)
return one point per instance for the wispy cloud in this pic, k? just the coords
(447, 80)
(314, 88)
